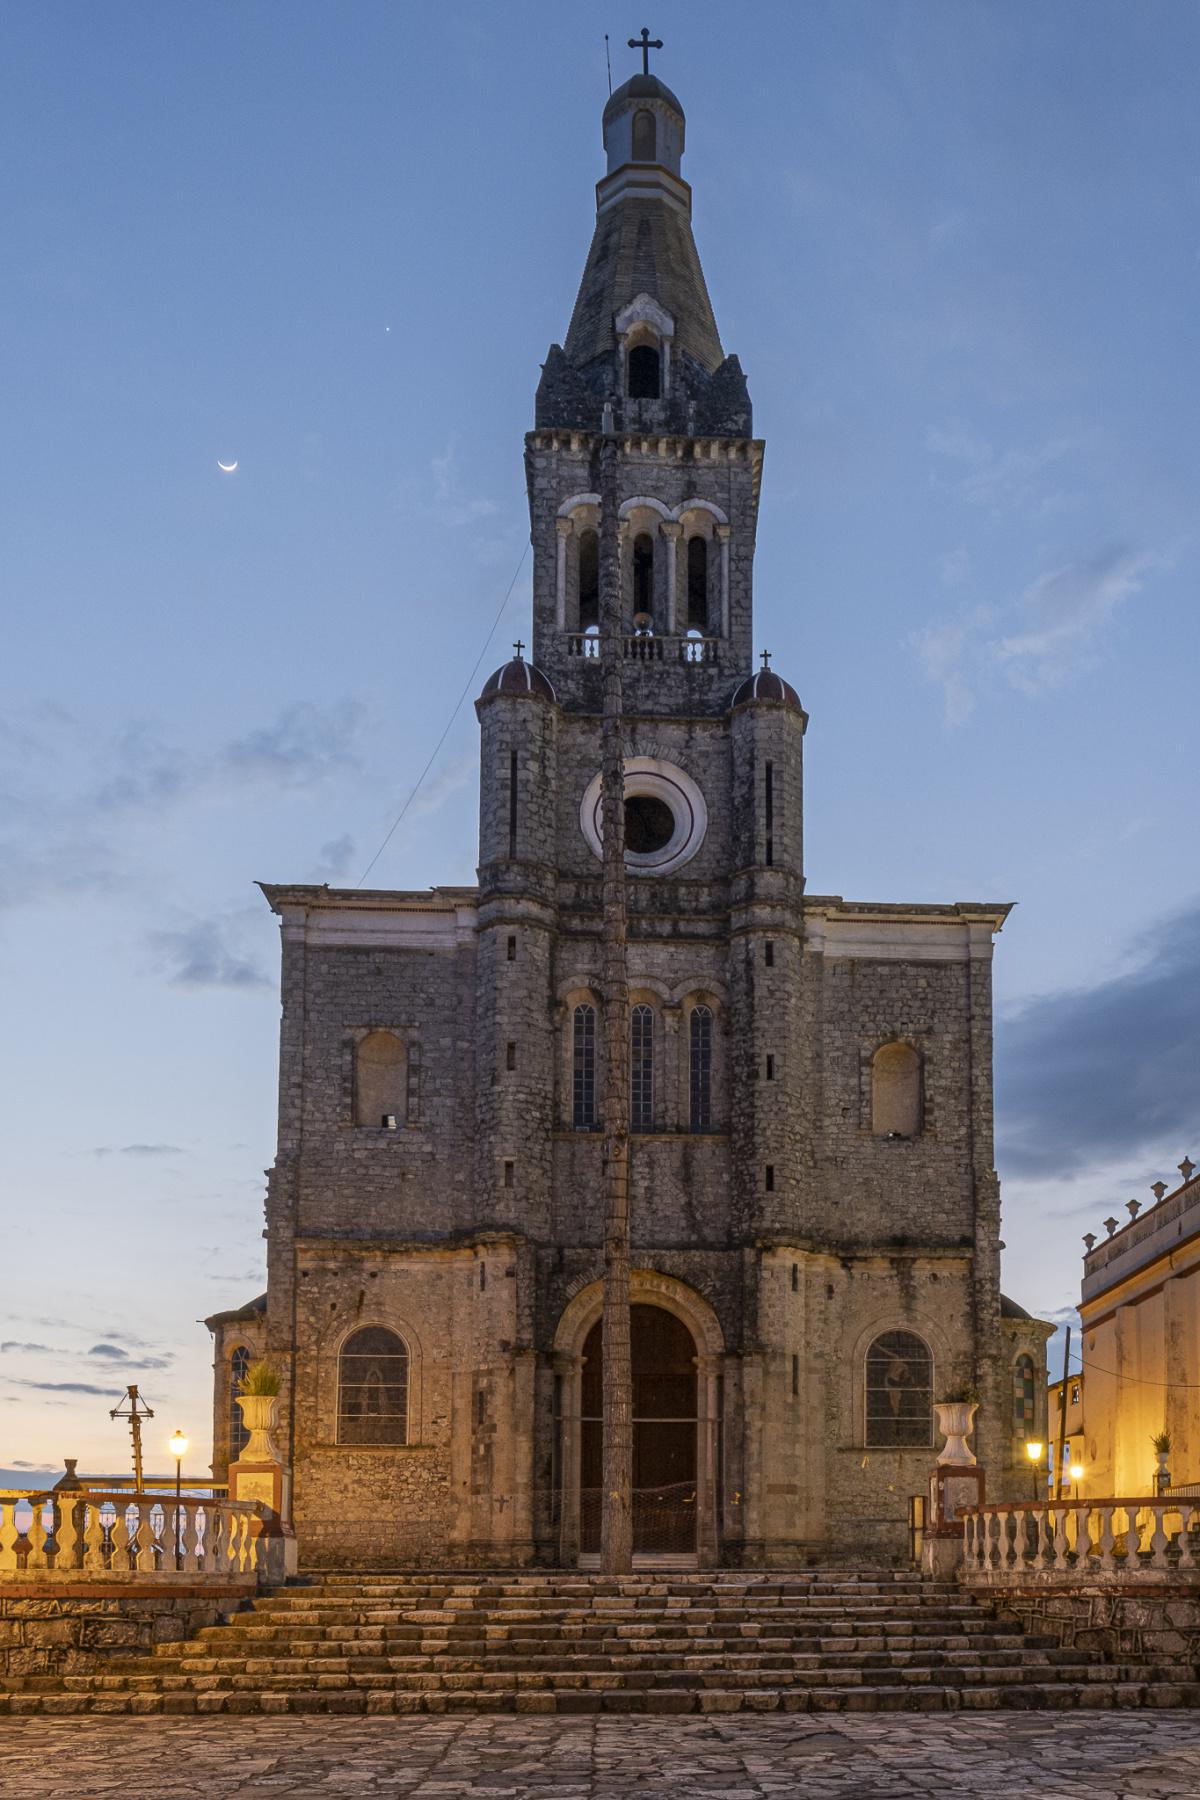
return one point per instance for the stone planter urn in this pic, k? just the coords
(260, 1413)
(955, 1419)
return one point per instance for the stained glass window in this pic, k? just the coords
(239, 1435)
(583, 1069)
(641, 1096)
(700, 1033)
(899, 1392)
(373, 1388)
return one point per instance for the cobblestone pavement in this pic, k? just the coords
(1049, 1755)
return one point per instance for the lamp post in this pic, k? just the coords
(1076, 1474)
(1033, 1450)
(177, 1445)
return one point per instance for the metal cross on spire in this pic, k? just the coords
(518, 647)
(766, 659)
(645, 44)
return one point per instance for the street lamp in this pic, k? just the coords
(1076, 1473)
(177, 1445)
(1033, 1450)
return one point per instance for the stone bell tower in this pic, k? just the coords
(643, 359)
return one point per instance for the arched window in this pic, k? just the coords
(644, 135)
(643, 573)
(583, 1068)
(589, 580)
(1024, 1398)
(379, 1080)
(899, 1392)
(641, 1064)
(896, 1091)
(697, 584)
(644, 373)
(239, 1433)
(373, 1388)
(700, 1040)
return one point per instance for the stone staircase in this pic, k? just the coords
(654, 1643)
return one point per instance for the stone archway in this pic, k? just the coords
(677, 1358)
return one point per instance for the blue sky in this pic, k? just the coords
(957, 248)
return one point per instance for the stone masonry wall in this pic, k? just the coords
(64, 1628)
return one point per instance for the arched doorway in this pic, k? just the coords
(665, 1419)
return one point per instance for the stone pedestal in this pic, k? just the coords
(954, 1488)
(260, 1474)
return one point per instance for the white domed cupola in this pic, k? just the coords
(643, 138)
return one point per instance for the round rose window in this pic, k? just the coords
(665, 816)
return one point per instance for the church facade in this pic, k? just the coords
(815, 1214)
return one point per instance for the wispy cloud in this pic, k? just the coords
(113, 1353)
(451, 505)
(137, 1150)
(208, 953)
(65, 788)
(69, 1387)
(304, 745)
(1065, 612)
(1107, 1071)
(335, 859)
(1052, 633)
(11, 1344)
(1009, 480)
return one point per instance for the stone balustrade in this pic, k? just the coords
(1072, 1542)
(646, 647)
(116, 1535)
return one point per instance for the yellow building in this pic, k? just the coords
(1140, 1311)
(1074, 1452)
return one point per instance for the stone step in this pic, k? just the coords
(1063, 1696)
(548, 1643)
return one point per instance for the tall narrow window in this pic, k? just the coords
(1024, 1393)
(512, 804)
(697, 584)
(643, 136)
(589, 580)
(380, 1084)
(899, 1392)
(643, 574)
(373, 1388)
(700, 1033)
(239, 1431)
(769, 811)
(896, 1091)
(645, 373)
(583, 1068)
(641, 1064)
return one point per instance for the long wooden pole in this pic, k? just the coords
(1062, 1419)
(616, 1517)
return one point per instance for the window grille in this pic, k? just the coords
(899, 1392)
(583, 1070)
(700, 1070)
(239, 1432)
(1024, 1395)
(641, 1096)
(373, 1388)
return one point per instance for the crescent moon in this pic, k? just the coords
(227, 467)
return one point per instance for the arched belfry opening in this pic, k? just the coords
(665, 1434)
(645, 373)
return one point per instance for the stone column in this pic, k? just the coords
(569, 1370)
(672, 533)
(708, 1384)
(565, 528)
(723, 534)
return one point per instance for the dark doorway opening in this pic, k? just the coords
(664, 1433)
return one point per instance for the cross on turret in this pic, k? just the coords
(518, 647)
(766, 659)
(645, 44)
